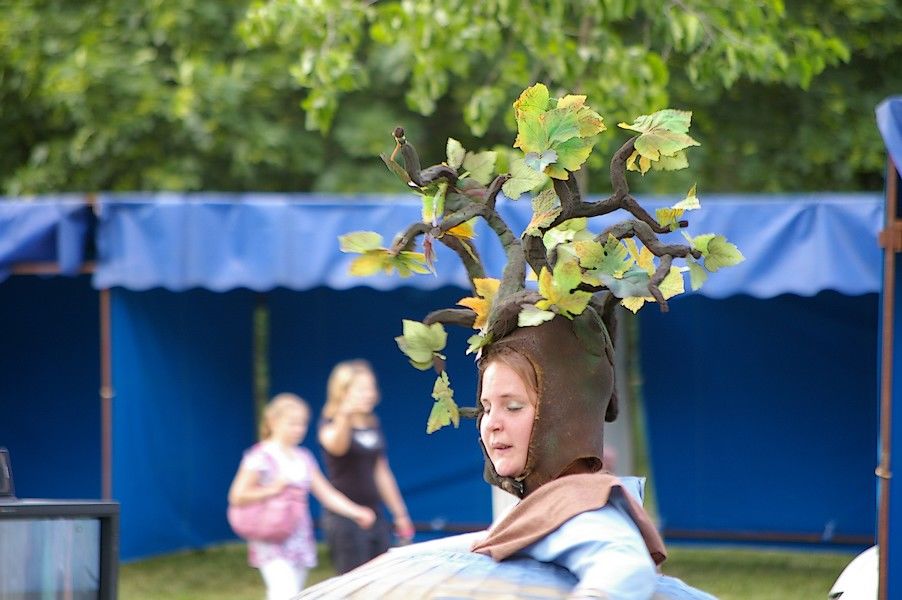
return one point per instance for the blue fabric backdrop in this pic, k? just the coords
(768, 423)
(182, 416)
(49, 382)
(182, 361)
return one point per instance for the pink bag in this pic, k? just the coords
(270, 520)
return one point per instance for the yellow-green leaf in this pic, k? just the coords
(368, 264)
(444, 410)
(697, 275)
(721, 253)
(643, 257)
(420, 342)
(360, 241)
(481, 304)
(533, 100)
(523, 179)
(480, 165)
(673, 283)
(690, 202)
(530, 316)
(545, 209)
(455, 152)
(634, 303)
(669, 217)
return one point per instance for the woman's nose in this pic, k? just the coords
(494, 423)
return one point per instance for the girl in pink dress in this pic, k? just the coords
(266, 469)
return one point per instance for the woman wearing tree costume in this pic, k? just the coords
(545, 355)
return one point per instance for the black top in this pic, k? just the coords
(353, 473)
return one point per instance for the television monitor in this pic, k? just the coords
(58, 549)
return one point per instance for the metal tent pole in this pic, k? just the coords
(891, 241)
(106, 398)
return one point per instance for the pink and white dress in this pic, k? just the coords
(295, 466)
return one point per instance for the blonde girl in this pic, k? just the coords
(266, 469)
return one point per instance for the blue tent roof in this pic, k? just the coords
(52, 228)
(799, 244)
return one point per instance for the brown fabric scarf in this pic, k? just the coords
(556, 502)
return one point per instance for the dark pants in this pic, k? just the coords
(349, 545)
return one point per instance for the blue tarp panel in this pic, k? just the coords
(50, 229)
(49, 377)
(798, 244)
(440, 474)
(182, 361)
(768, 422)
(889, 122)
(183, 413)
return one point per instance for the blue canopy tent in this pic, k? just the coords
(889, 122)
(185, 272)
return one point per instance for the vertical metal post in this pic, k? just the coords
(891, 242)
(106, 398)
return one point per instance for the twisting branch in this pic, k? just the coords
(421, 177)
(464, 317)
(404, 241)
(471, 262)
(642, 230)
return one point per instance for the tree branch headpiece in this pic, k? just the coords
(577, 271)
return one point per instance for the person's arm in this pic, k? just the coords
(391, 495)
(246, 487)
(337, 502)
(605, 551)
(335, 435)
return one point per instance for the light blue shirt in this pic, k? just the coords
(604, 549)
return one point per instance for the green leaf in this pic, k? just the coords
(699, 242)
(540, 161)
(444, 411)
(560, 125)
(662, 133)
(455, 152)
(633, 283)
(532, 136)
(612, 258)
(545, 209)
(397, 170)
(533, 100)
(477, 341)
(573, 153)
(407, 263)
(669, 217)
(721, 253)
(571, 229)
(690, 202)
(360, 241)
(523, 179)
(556, 289)
(481, 166)
(530, 316)
(697, 274)
(369, 264)
(671, 163)
(420, 342)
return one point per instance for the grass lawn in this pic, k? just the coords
(221, 573)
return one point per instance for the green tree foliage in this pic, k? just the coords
(301, 94)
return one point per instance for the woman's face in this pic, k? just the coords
(508, 418)
(290, 426)
(362, 394)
